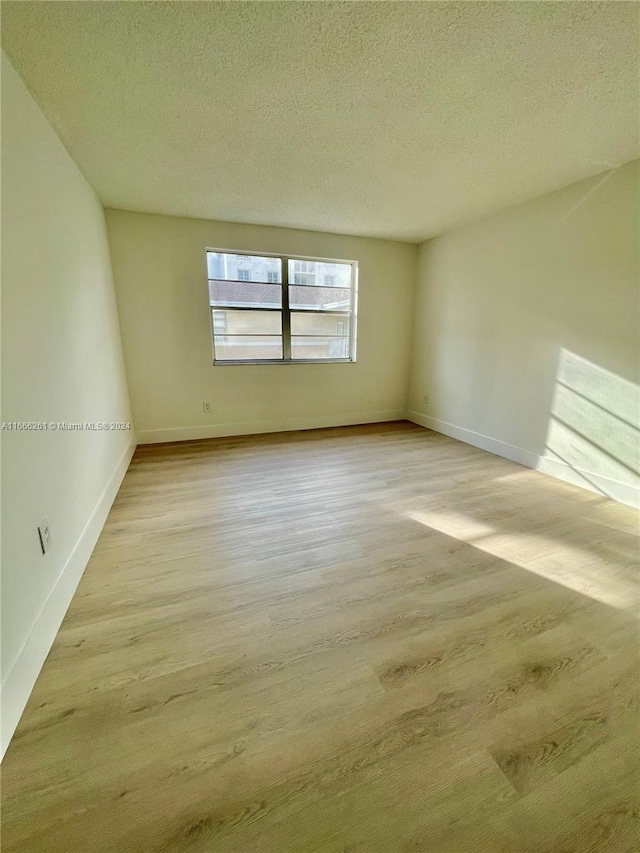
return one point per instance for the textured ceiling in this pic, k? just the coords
(394, 119)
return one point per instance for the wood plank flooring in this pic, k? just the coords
(366, 639)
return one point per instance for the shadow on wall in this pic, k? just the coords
(594, 425)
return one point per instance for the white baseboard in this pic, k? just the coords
(477, 439)
(22, 676)
(157, 436)
(622, 492)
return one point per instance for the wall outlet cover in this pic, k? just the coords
(44, 532)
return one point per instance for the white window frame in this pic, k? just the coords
(286, 311)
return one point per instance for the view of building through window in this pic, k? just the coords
(280, 309)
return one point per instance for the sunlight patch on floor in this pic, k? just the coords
(578, 569)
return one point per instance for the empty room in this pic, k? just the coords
(320, 426)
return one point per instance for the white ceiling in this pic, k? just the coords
(396, 119)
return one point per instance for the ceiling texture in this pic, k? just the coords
(384, 119)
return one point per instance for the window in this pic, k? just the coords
(303, 272)
(279, 309)
(220, 326)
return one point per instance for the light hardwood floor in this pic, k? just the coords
(367, 639)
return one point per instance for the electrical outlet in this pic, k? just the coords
(425, 399)
(44, 532)
(206, 406)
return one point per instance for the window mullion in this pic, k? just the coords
(286, 312)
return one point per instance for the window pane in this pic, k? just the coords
(320, 324)
(320, 298)
(319, 347)
(229, 267)
(245, 295)
(320, 273)
(248, 347)
(247, 322)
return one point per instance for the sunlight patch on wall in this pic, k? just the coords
(594, 426)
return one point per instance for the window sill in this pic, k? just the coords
(292, 361)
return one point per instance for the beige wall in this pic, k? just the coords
(61, 361)
(526, 333)
(159, 266)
